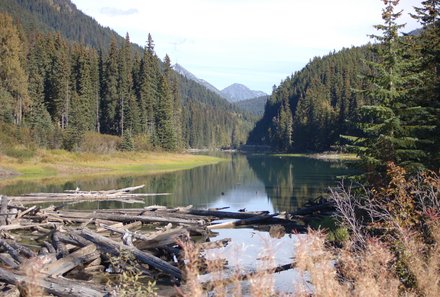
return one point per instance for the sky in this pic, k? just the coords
(257, 43)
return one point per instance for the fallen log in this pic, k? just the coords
(232, 224)
(110, 246)
(23, 226)
(150, 218)
(56, 286)
(8, 260)
(11, 251)
(4, 210)
(222, 214)
(63, 265)
(123, 190)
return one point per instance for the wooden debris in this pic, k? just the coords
(114, 248)
(68, 248)
(3, 210)
(63, 265)
(248, 221)
(78, 196)
(56, 286)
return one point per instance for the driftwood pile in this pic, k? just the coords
(50, 247)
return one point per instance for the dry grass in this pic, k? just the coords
(396, 252)
(60, 163)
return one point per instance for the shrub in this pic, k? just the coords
(99, 143)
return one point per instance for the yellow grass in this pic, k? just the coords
(60, 163)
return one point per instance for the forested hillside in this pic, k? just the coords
(311, 108)
(50, 16)
(65, 75)
(255, 105)
(380, 101)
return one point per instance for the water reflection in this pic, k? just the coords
(254, 182)
(292, 181)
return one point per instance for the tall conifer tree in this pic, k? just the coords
(13, 78)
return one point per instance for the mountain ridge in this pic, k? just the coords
(239, 92)
(233, 93)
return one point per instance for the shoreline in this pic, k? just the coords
(325, 156)
(62, 164)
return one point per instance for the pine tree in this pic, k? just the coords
(177, 104)
(164, 117)
(148, 90)
(13, 78)
(428, 92)
(82, 84)
(387, 126)
(110, 96)
(57, 81)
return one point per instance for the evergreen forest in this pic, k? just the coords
(63, 75)
(380, 100)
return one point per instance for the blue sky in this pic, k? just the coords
(254, 42)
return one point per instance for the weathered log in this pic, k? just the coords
(150, 218)
(73, 238)
(223, 214)
(58, 245)
(22, 213)
(63, 265)
(114, 248)
(218, 208)
(161, 239)
(21, 249)
(57, 286)
(19, 226)
(49, 247)
(123, 190)
(8, 260)
(11, 251)
(103, 227)
(4, 210)
(252, 220)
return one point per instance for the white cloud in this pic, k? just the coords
(117, 12)
(254, 39)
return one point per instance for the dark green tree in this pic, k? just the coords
(13, 78)
(388, 126)
(177, 104)
(428, 92)
(57, 81)
(110, 95)
(166, 135)
(148, 89)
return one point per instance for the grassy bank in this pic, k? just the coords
(60, 163)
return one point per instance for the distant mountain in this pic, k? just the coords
(254, 106)
(182, 71)
(233, 93)
(239, 92)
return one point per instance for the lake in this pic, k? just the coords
(253, 182)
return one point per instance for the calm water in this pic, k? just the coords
(245, 181)
(253, 182)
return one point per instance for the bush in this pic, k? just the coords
(94, 142)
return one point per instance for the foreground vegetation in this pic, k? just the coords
(393, 248)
